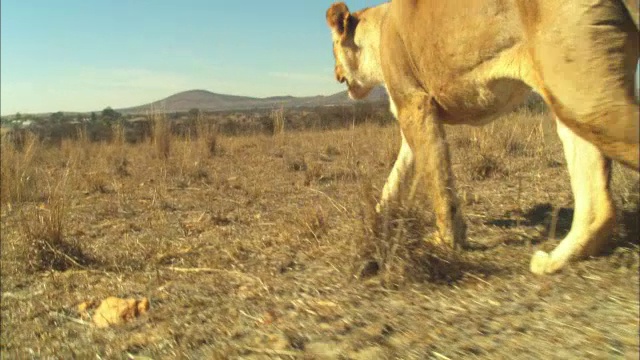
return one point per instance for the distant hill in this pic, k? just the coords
(210, 101)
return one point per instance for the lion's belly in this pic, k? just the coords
(468, 60)
(484, 85)
(476, 103)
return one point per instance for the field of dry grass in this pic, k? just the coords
(263, 247)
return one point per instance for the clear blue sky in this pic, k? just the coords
(83, 55)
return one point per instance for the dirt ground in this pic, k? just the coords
(264, 247)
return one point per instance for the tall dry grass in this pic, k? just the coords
(162, 137)
(207, 135)
(44, 226)
(19, 175)
(41, 182)
(391, 244)
(503, 147)
(278, 119)
(37, 182)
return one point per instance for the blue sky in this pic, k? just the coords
(83, 55)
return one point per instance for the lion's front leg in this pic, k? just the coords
(425, 136)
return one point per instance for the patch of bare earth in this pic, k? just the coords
(263, 247)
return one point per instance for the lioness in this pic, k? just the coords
(464, 62)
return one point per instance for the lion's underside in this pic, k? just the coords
(479, 103)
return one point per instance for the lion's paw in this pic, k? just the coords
(540, 263)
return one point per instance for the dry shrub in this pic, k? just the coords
(19, 172)
(44, 228)
(297, 164)
(395, 243)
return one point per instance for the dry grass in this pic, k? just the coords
(207, 135)
(19, 174)
(262, 246)
(277, 116)
(162, 137)
(46, 245)
(495, 151)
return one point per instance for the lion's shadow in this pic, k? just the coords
(542, 214)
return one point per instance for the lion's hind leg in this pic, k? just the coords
(585, 67)
(594, 211)
(424, 132)
(398, 175)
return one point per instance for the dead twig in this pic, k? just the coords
(70, 318)
(335, 204)
(478, 278)
(440, 356)
(250, 316)
(69, 258)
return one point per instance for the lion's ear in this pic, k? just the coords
(339, 19)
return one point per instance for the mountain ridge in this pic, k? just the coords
(206, 100)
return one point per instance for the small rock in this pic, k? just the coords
(116, 311)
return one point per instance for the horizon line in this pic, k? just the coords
(164, 98)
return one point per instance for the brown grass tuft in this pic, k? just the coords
(44, 228)
(486, 166)
(395, 246)
(297, 163)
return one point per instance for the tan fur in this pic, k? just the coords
(465, 62)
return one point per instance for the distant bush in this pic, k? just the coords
(100, 127)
